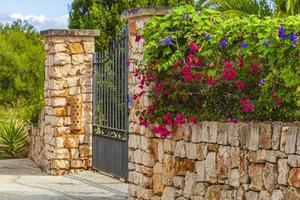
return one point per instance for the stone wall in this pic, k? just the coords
(62, 143)
(210, 160)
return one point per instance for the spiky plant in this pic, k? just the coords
(13, 140)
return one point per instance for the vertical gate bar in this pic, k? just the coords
(94, 88)
(126, 80)
(119, 84)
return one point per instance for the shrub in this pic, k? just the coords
(13, 140)
(201, 66)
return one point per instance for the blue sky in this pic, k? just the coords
(43, 14)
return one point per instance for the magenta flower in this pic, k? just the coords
(127, 63)
(228, 64)
(254, 68)
(232, 120)
(211, 81)
(246, 105)
(187, 78)
(138, 38)
(229, 74)
(159, 88)
(241, 62)
(167, 118)
(199, 63)
(162, 131)
(194, 47)
(193, 119)
(190, 59)
(198, 76)
(177, 63)
(186, 70)
(240, 85)
(180, 120)
(143, 122)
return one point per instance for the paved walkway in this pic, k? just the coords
(21, 180)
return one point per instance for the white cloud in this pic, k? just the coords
(40, 22)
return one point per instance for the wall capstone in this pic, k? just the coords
(62, 143)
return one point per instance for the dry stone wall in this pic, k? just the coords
(209, 160)
(62, 143)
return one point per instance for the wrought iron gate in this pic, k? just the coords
(110, 108)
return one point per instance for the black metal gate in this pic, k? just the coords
(110, 108)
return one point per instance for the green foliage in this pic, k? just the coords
(105, 15)
(261, 8)
(22, 69)
(13, 140)
(268, 63)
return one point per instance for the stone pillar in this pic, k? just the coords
(143, 148)
(68, 101)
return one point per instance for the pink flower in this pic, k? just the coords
(198, 76)
(229, 74)
(254, 68)
(151, 109)
(241, 62)
(190, 59)
(177, 63)
(240, 85)
(187, 78)
(127, 63)
(211, 81)
(246, 105)
(159, 88)
(162, 131)
(186, 69)
(199, 63)
(232, 120)
(194, 47)
(180, 120)
(193, 119)
(228, 64)
(167, 118)
(143, 121)
(278, 102)
(138, 38)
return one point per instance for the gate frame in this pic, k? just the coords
(122, 171)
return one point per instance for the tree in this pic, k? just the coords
(261, 8)
(105, 15)
(22, 67)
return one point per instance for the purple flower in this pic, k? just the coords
(261, 82)
(209, 37)
(254, 36)
(267, 43)
(244, 45)
(185, 16)
(168, 41)
(223, 43)
(281, 32)
(160, 42)
(293, 38)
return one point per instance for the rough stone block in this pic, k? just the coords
(265, 135)
(256, 176)
(283, 171)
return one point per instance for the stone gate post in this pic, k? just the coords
(144, 150)
(63, 143)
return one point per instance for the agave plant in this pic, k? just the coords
(13, 140)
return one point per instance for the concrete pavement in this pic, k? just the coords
(21, 180)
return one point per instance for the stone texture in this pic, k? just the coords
(256, 176)
(283, 171)
(294, 177)
(59, 144)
